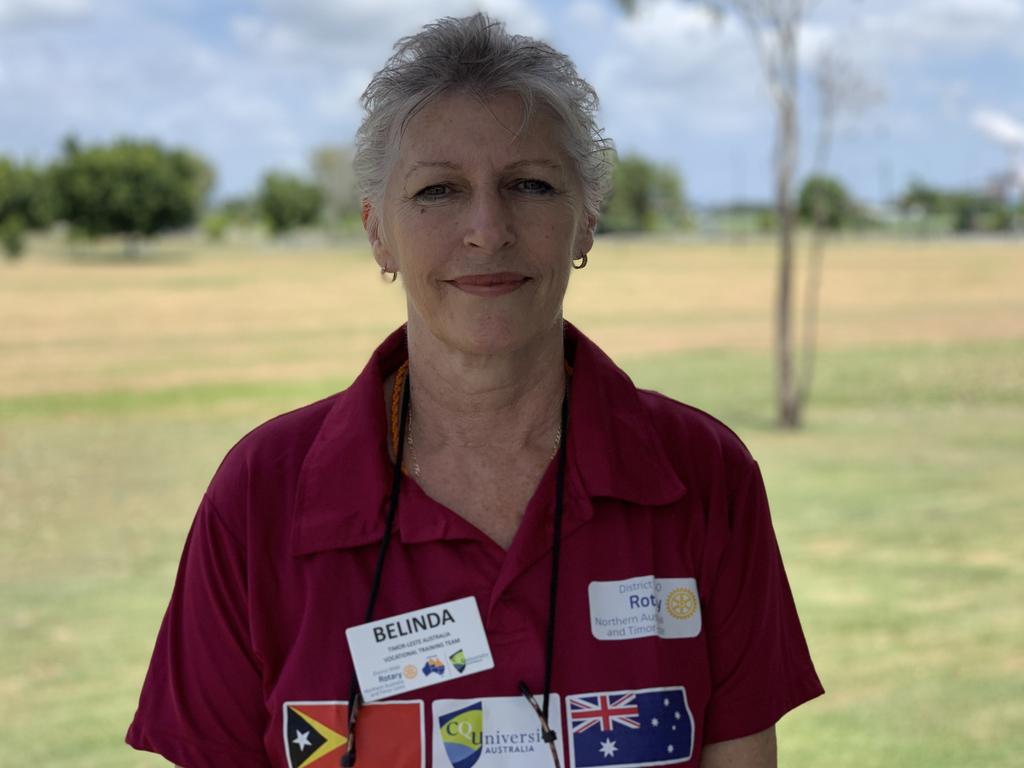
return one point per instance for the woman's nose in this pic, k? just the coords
(489, 225)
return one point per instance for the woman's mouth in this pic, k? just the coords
(495, 284)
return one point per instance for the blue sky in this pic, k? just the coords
(257, 84)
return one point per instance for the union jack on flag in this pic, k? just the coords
(606, 711)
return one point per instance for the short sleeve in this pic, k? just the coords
(760, 665)
(202, 703)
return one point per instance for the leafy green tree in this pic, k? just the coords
(287, 201)
(26, 202)
(334, 174)
(12, 235)
(825, 203)
(920, 196)
(644, 197)
(967, 211)
(215, 225)
(979, 213)
(241, 210)
(131, 188)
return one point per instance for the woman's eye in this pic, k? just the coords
(534, 186)
(433, 192)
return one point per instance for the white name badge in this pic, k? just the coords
(419, 648)
(644, 607)
(496, 732)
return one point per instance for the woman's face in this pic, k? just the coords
(482, 221)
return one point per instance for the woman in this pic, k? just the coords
(565, 571)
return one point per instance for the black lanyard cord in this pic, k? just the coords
(556, 551)
(354, 697)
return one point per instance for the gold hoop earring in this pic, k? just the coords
(583, 261)
(384, 272)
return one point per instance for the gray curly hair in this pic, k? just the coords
(476, 54)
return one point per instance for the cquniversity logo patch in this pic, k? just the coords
(491, 732)
(390, 734)
(648, 727)
(462, 735)
(458, 660)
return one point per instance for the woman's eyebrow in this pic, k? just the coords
(541, 162)
(419, 165)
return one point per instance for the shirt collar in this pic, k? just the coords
(613, 443)
(343, 486)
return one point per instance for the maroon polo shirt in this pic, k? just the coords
(281, 555)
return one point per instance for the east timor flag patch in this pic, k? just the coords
(391, 734)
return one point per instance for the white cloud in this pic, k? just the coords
(920, 27)
(587, 13)
(816, 38)
(999, 126)
(671, 64)
(158, 81)
(667, 25)
(674, 84)
(521, 16)
(24, 12)
(354, 32)
(953, 97)
(338, 99)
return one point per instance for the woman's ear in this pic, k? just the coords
(586, 240)
(371, 225)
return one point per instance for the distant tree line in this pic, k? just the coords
(645, 196)
(965, 211)
(824, 201)
(131, 188)
(27, 202)
(136, 189)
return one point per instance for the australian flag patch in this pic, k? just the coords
(653, 726)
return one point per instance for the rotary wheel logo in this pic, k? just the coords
(410, 671)
(681, 603)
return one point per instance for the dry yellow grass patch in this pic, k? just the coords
(275, 314)
(874, 292)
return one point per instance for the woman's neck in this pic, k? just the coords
(488, 403)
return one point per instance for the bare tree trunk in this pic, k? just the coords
(840, 89)
(774, 28)
(812, 299)
(787, 400)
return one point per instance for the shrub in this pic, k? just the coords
(288, 201)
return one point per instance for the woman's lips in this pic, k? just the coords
(496, 284)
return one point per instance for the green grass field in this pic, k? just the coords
(898, 506)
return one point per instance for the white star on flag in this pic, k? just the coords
(301, 740)
(608, 748)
